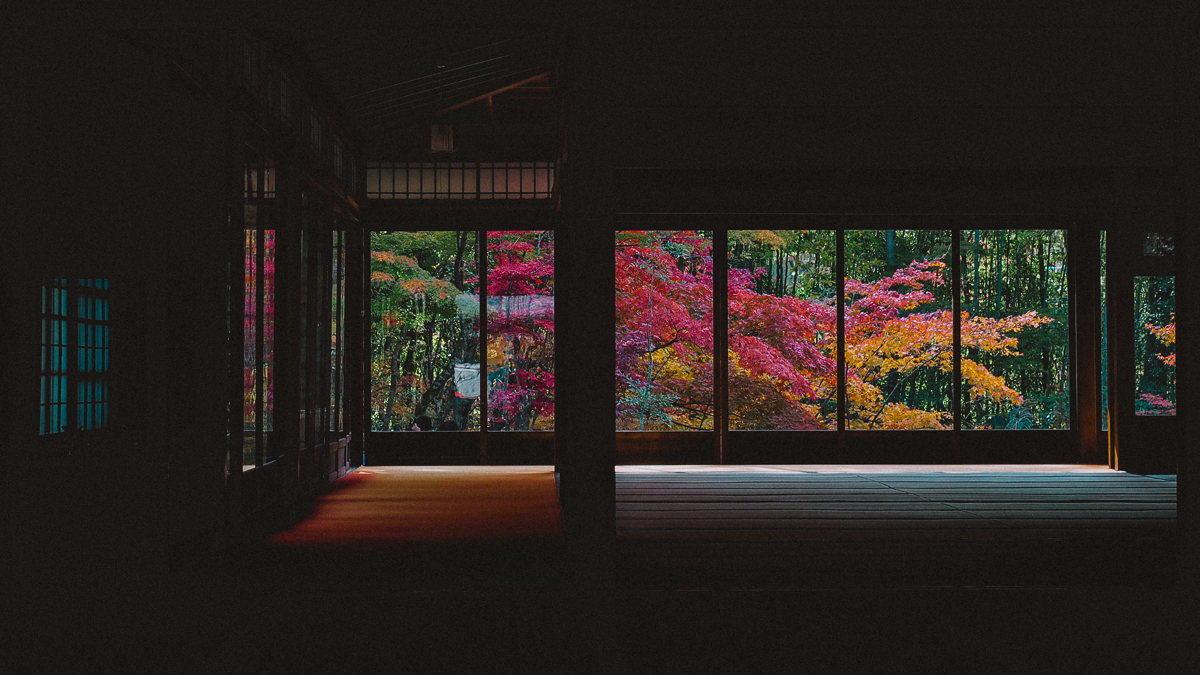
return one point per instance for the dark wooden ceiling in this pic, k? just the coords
(390, 77)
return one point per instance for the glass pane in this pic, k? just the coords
(520, 331)
(335, 333)
(664, 337)
(268, 347)
(249, 353)
(320, 366)
(1014, 330)
(1104, 412)
(1157, 244)
(341, 383)
(53, 361)
(899, 330)
(425, 331)
(782, 329)
(1154, 345)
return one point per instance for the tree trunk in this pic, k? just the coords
(890, 236)
(779, 273)
(393, 384)
(975, 294)
(462, 239)
(999, 272)
(1042, 269)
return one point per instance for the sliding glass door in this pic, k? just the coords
(845, 344)
(461, 340)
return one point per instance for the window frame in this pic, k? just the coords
(260, 191)
(843, 445)
(477, 446)
(83, 345)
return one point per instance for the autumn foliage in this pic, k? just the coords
(1165, 335)
(782, 350)
(425, 305)
(1151, 403)
(520, 329)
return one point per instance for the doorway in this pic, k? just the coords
(460, 329)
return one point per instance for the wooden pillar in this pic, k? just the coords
(1187, 308)
(1187, 302)
(235, 492)
(287, 341)
(585, 432)
(1084, 252)
(356, 289)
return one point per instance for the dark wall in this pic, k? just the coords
(887, 109)
(118, 174)
(123, 158)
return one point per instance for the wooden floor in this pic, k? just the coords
(749, 527)
(893, 526)
(720, 569)
(405, 528)
(394, 507)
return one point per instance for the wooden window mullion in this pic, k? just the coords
(956, 341)
(71, 364)
(720, 276)
(482, 271)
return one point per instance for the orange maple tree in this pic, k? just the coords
(782, 350)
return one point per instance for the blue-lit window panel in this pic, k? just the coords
(91, 369)
(54, 361)
(75, 355)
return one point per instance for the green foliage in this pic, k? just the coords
(419, 328)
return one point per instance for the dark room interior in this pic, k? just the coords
(929, 417)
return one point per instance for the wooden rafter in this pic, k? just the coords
(541, 77)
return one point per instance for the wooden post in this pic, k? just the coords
(585, 432)
(1083, 266)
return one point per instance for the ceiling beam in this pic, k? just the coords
(541, 77)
